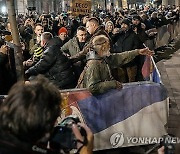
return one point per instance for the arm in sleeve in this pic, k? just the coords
(117, 59)
(44, 64)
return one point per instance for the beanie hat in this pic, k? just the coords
(126, 21)
(62, 30)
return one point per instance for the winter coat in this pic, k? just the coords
(126, 41)
(99, 31)
(97, 75)
(71, 47)
(55, 66)
(59, 42)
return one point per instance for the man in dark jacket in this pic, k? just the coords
(7, 71)
(53, 64)
(126, 40)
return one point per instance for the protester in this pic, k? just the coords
(94, 29)
(36, 37)
(96, 76)
(53, 64)
(109, 27)
(62, 37)
(126, 40)
(74, 46)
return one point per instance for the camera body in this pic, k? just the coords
(169, 147)
(63, 137)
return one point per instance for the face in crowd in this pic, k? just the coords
(109, 27)
(81, 35)
(38, 30)
(63, 36)
(91, 27)
(124, 27)
(135, 22)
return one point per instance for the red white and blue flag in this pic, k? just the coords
(150, 71)
(137, 110)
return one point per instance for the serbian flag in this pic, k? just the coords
(139, 109)
(150, 71)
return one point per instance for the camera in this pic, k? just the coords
(169, 147)
(63, 137)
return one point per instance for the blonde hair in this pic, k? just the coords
(106, 25)
(101, 45)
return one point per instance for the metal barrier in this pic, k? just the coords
(165, 35)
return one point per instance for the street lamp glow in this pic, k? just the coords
(3, 9)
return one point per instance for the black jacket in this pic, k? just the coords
(7, 72)
(10, 144)
(57, 41)
(126, 41)
(55, 66)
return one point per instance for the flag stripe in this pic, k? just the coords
(103, 111)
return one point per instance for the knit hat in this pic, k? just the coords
(62, 30)
(126, 21)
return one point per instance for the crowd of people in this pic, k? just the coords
(56, 45)
(98, 52)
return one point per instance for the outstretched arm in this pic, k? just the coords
(118, 59)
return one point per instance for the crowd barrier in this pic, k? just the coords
(165, 35)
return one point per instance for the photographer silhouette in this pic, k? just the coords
(27, 118)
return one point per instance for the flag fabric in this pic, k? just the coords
(139, 109)
(156, 77)
(146, 69)
(150, 71)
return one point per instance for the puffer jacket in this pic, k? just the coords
(55, 66)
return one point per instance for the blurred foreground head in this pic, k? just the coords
(30, 110)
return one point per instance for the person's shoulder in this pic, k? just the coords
(72, 41)
(93, 63)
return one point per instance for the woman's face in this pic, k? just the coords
(63, 36)
(109, 27)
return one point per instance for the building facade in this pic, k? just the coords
(49, 6)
